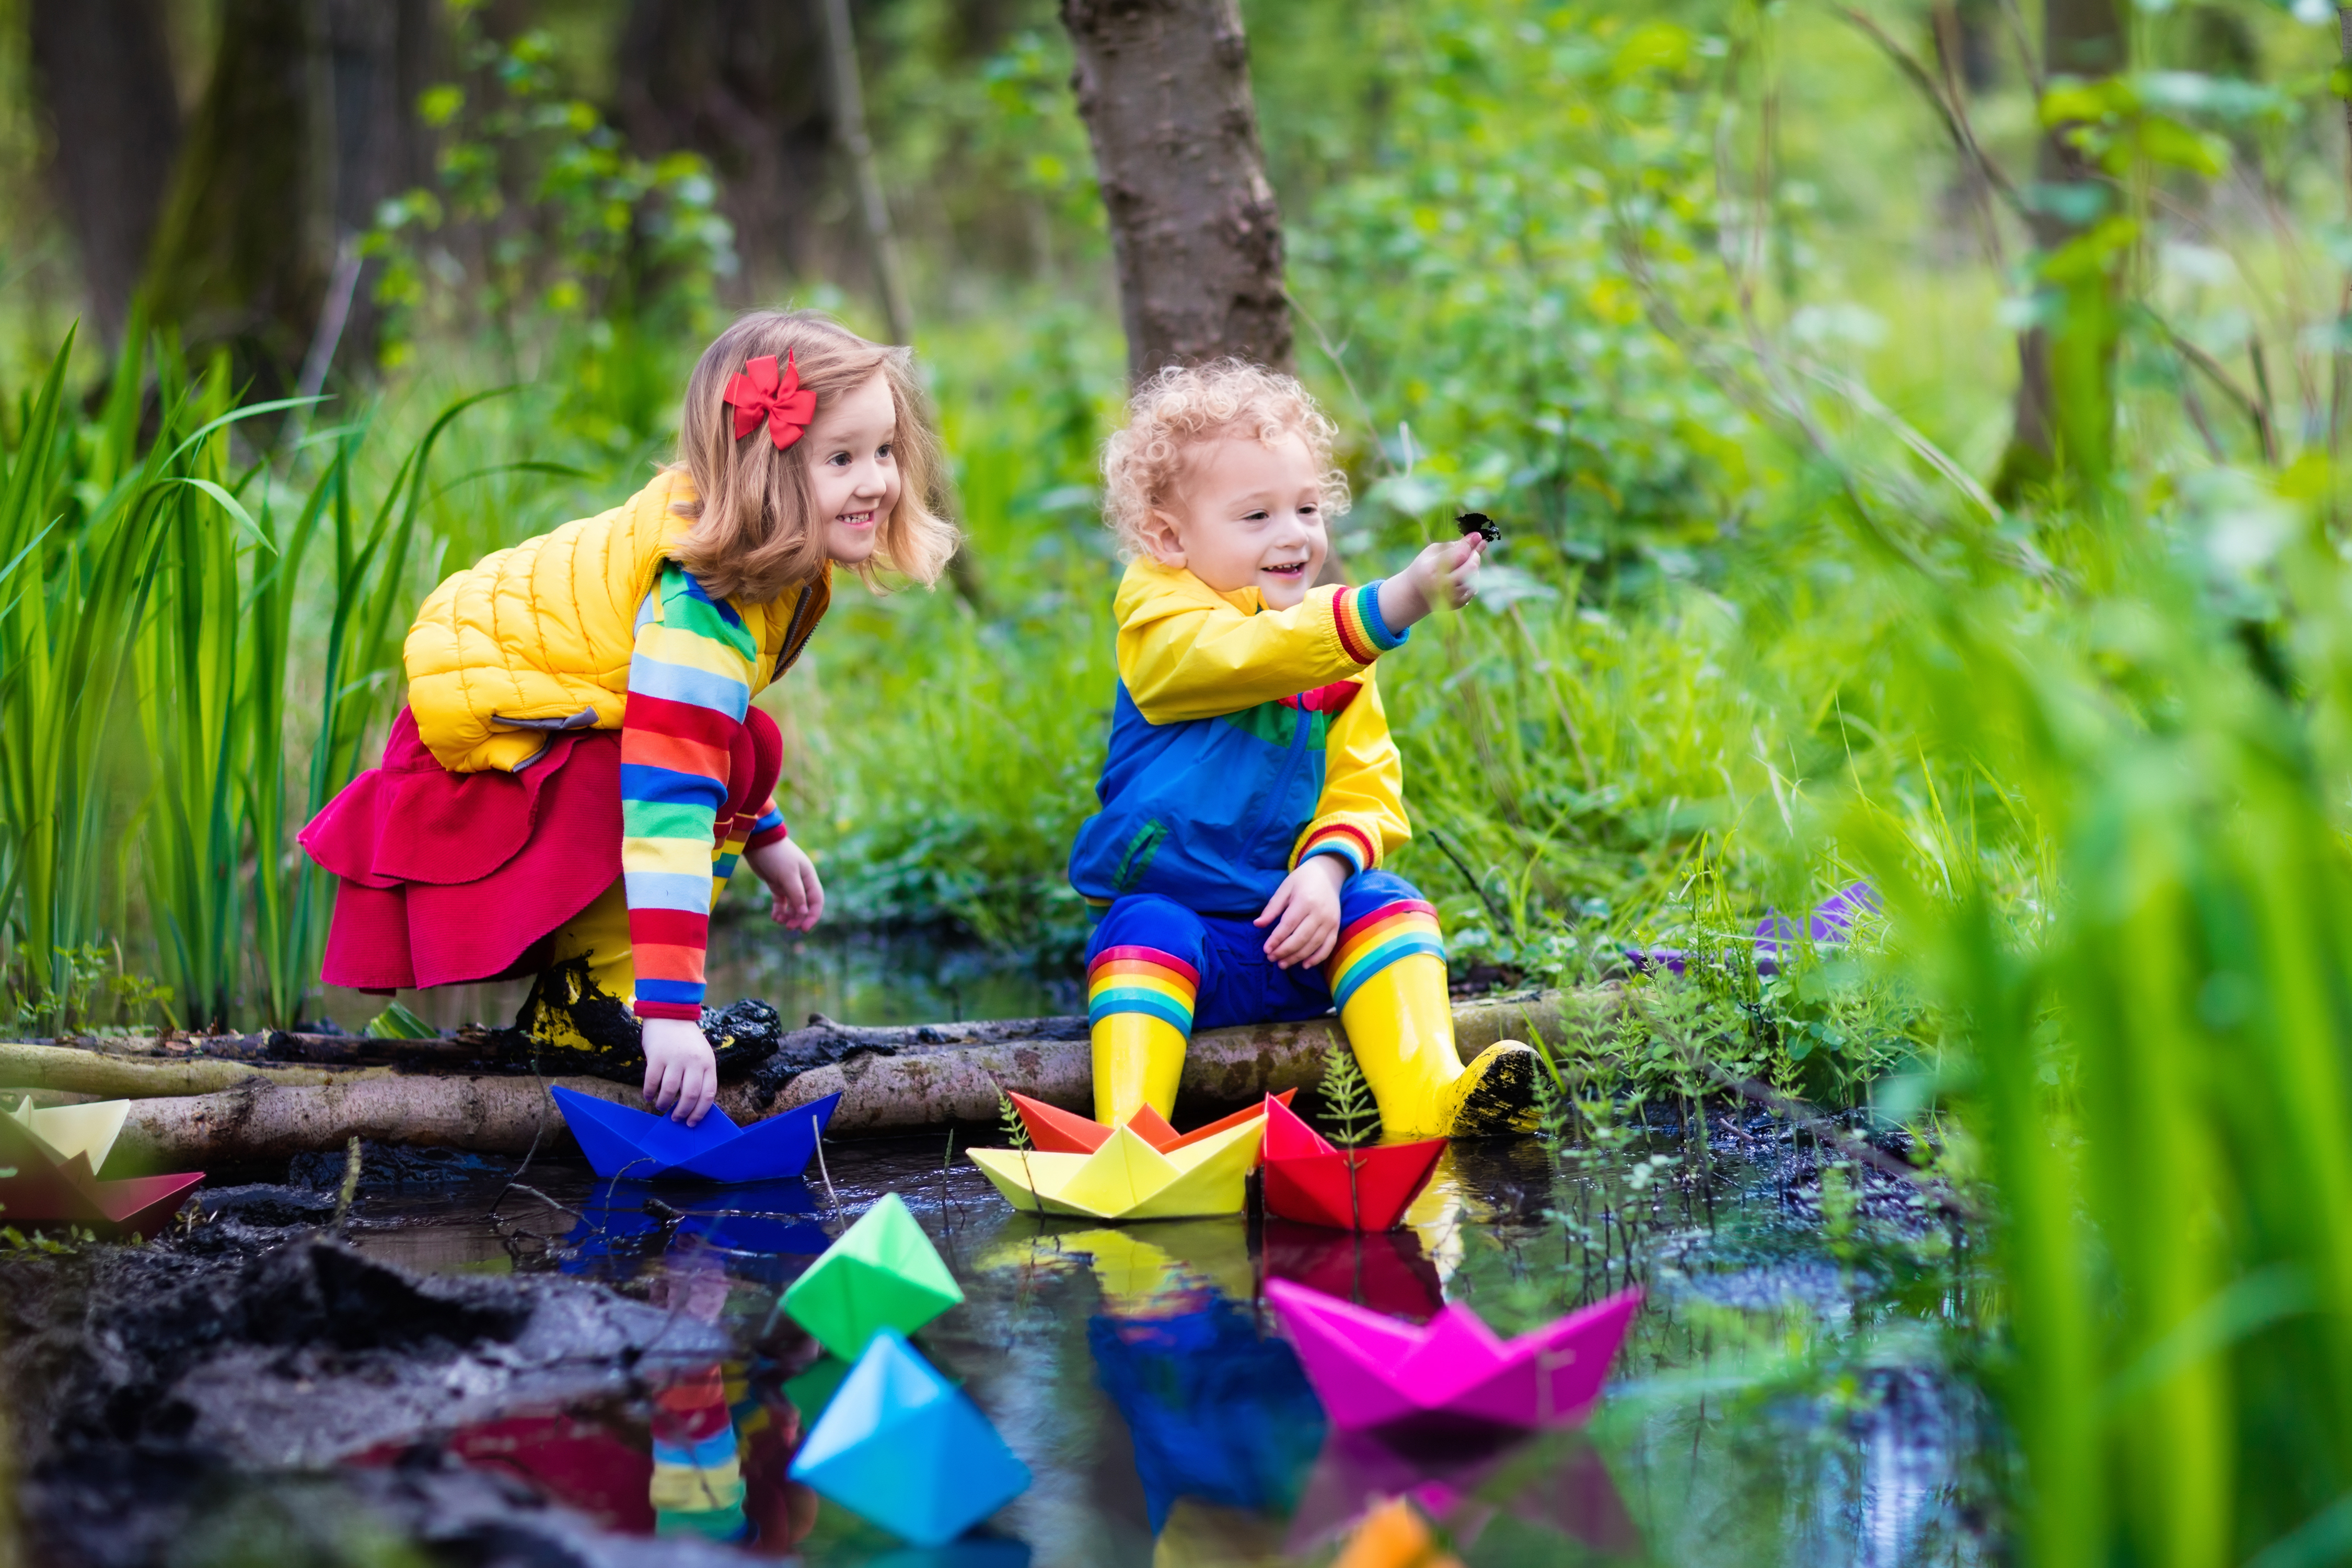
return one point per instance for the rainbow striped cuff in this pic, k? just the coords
(1363, 635)
(1142, 980)
(767, 829)
(1345, 839)
(1372, 943)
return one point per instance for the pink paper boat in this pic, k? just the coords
(1370, 1370)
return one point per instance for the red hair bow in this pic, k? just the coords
(760, 393)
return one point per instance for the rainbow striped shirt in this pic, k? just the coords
(690, 688)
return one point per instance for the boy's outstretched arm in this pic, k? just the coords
(1185, 651)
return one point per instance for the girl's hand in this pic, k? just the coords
(1304, 913)
(680, 1071)
(791, 877)
(1445, 572)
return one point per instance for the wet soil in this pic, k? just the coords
(474, 1372)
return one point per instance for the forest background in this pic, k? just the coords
(1914, 428)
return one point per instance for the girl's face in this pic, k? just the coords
(1246, 514)
(854, 468)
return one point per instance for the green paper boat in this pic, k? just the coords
(883, 1274)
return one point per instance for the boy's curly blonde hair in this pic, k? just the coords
(1184, 406)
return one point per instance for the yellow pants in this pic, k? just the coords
(600, 933)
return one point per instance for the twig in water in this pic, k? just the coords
(537, 1130)
(351, 1188)
(831, 1195)
(559, 1207)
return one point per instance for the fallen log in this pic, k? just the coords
(890, 1080)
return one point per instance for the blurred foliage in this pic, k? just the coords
(545, 234)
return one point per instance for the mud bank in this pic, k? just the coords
(181, 1403)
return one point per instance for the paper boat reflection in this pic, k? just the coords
(1371, 1371)
(56, 1153)
(752, 1219)
(1455, 1476)
(620, 1141)
(1388, 1271)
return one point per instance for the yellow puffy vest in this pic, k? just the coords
(539, 637)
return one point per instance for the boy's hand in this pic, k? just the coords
(1445, 572)
(1304, 912)
(680, 1071)
(790, 877)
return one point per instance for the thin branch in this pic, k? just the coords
(2255, 408)
(1954, 118)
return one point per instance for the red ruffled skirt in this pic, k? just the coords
(446, 878)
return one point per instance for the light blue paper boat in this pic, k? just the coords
(622, 1142)
(903, 1448)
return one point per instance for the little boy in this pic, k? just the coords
(1253, 788)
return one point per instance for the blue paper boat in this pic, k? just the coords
(620, 1142)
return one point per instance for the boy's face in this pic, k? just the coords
(854, 467)
(1246, 514)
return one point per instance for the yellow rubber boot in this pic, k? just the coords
(1399, 1023)
(1139, 1060)
(590, 968)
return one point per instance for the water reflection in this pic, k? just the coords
(1778, 1403)
(766, 1230)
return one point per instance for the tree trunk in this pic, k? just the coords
(742, 82)
(890, 1080)
(242, 259)
(105, 78)
(1163, 86)
(2065, 391)
(379, 61)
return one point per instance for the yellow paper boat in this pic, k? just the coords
(73, 1130)
(1126, 1178)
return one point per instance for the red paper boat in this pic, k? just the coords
(1054, 1131)
(47, 1190)
(1348, 1190)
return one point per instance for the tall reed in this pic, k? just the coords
(142, 561)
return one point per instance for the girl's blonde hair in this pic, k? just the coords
(756, 532)
(1184, 406)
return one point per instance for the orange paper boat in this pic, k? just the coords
(1054, 1131)
(1348, 1190)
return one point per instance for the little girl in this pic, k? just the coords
(580, 767)
(1253, 791)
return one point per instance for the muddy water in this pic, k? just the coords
(1788, 1394)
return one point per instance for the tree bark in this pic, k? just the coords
(378, 62)
(242, 258)
(741, 83)
(1163, 86)
(2065, 391)
(890, 1080)
(105, 78)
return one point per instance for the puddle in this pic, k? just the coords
(1786, 1395)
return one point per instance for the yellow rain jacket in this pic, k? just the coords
(537, 639)
(1243, 740)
